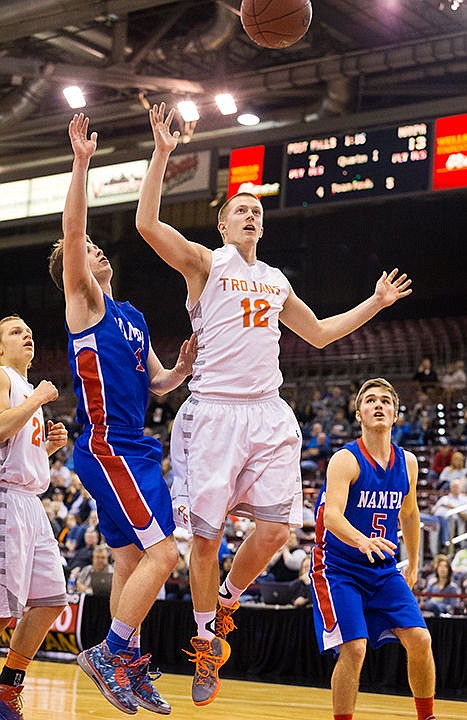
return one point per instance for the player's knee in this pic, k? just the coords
(417, 641)
(172, 556)
(274, 535)
(421, 641)
(353, 651)
(205, 547)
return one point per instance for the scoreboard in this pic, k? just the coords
(382, 161)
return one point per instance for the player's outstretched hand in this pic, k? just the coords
(164, 139)
(378, 546)
(392, 287)
(187, 356)
(83, 147)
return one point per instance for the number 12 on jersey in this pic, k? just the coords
(257, 313)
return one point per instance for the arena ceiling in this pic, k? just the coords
(359, 56)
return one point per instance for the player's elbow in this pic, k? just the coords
(4, 435)
(142, 226)
(320, 337)
(150, 231)
(329, 518)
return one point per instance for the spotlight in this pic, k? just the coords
(188, 111)
(74, 96)
(226, 104)
(248, 118)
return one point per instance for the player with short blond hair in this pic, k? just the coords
(30, 565)
(235, 443)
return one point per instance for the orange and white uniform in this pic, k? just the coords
(30, 566)
(235, 443)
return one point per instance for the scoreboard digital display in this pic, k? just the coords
(357, 165)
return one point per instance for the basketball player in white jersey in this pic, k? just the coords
(31, 573)
(235, 443)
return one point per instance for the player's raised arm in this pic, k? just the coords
(83, 296)
(342, 470)
(189, 258)
(74, 218)
(298, 317)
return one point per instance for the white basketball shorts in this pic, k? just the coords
(235, 456)
(31, 573)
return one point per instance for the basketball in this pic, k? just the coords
(275, 23)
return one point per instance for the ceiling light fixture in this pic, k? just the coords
(226, 104)
(248, 118)
(74, 96)
(188, 111)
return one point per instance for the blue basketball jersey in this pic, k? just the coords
(373, 504)
(109, 366)
(354, 598)
(116, 462)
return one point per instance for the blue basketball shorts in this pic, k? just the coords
(361, 602)
(122, 472)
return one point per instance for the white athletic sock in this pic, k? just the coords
(228, 593)
(206, 624)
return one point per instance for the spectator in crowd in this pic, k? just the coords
(426, 376)
(316, 450)
(225, 565)
(423, 405)
(51, 513)
(301, 588)
(451, 523)
(159, 417)
(459, 563)
(456, 470)
(100, 564)
(441, 460)
(167, 472)
(285, 563)
(60, 475)
(82, 504)
(177, 586)
(401, 430)
(340, 427)
(459, 570)
(58, 497)
(422, 431)
(72, 492)
(454, 381)
(335, 398)
(69, 536)
(83, 556)
(443, 586)
(183, 540)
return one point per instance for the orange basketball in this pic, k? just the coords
(276, 23)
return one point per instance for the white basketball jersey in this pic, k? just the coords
(236, 320)
(23, 457)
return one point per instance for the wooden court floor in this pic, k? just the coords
(58, 691)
